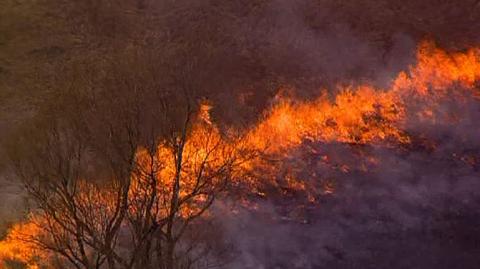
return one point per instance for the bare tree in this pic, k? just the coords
(120, 177)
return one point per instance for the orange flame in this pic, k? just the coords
(437, 70)
(361, 115)
(365, 114)
(17, 246)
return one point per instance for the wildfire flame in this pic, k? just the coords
(358, 115)
(17, 245)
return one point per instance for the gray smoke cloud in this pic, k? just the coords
(413, 207)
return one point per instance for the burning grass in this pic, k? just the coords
(356, 116)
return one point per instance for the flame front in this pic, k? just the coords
(356, 115)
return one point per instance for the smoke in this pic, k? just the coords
(12, 206)
(405, 207)
(411, 211)
(304, 46)
(414, 206)
(311, 45)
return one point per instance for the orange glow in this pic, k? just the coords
(361, 115)
(205, 153)
(365, 114)
(16, 245)
(356, 115)
(436, 70)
